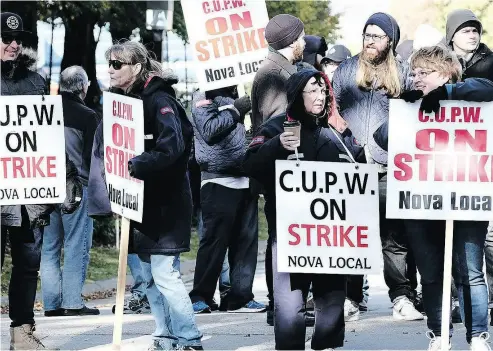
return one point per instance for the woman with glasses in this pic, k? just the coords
(311, 103)
(165, 229)
(435, 72)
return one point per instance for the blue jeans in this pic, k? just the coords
(224, 280)
(427, 242)
(63, 288)
(133, 262)
(169, 301)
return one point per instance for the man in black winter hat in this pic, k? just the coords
(463, 34)
(285, 35)
(363, 86)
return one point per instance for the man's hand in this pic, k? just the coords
(412, 95)
(289, 141)
(74, 196)
(431, 101)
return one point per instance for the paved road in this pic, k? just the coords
(376, 330)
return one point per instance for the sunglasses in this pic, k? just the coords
(117, 64)
(9, 38)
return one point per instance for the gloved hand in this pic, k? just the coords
(243, 105)
(74, 196)
(431, 102)
(412, 95)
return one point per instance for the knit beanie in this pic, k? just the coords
(283, 30)
(456, 20)
(388, 24)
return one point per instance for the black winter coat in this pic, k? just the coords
(317, 143)
(480, 65)
(167, 217)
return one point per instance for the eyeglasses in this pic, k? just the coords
(117, 64)
(9, 38)
(316, 92)
(374, 37)
(420, 74)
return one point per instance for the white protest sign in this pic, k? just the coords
(440, 165)
(32, 150)
(228, 38)
(327, 218)
(123, 130)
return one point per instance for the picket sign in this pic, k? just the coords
(454, 182)
(327, 217)
(123, 132)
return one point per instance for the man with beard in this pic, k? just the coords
(363, 86)
(285, 36)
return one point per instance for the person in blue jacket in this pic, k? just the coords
(435, 72)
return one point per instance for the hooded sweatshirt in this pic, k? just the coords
(318, 141)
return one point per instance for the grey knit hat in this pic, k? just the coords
(456, 20)
(283, 30)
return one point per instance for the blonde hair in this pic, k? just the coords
(387, 75)
(440, 59)
(133, 52)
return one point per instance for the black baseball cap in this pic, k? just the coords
(12, 24)
(337, 53)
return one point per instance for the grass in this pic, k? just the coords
(104, 260)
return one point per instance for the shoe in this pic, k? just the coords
(157, 345)
(54, 313)
(270, 316)
(135, 305)
(187, 348)
(309, 319)
(213, 305)
(455, 313)
(404, 310)
(351, 311)
(84, 311)
(22, 338)
(201, 307)
(251, 307)
(435, 342)
(363, 307)
(480, 343)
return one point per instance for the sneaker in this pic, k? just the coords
(54, 313)
(158, 345)
(435, 342)
(201, 307)
(351, 311)
(187, 348)
(455, 313)
(480, 343)
(363, 307)
(135, 305)
(22, 338)
(404, 310)
(84, 311)
(251, 307)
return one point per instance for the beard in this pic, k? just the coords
(298, 52)
(375, 58)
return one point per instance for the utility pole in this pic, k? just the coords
(159, 18)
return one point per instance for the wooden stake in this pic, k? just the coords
(120, 291)
(447, 283)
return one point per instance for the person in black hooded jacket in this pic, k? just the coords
(166, 222)
(310, 101)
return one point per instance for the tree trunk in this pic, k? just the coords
(80, 49)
